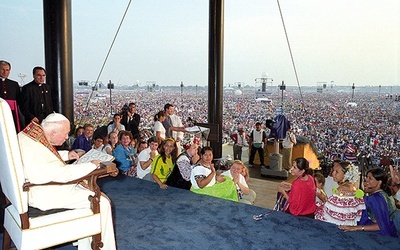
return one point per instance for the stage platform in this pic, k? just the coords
(147, 217)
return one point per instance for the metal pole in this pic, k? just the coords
(215, 70)
(181, 92)
(282, 87)
(58, 55)
(109, 86)
(282, 95)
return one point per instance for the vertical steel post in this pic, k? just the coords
(215, 70)
(58, 54)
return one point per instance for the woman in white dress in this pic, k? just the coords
(345, 205)
(159, 130)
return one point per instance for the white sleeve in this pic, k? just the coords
(157, 127)
(180, 134)
(144, 155)
(242, 180)
(64, 154)
(42, 166)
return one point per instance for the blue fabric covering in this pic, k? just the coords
(148, 217)
(396, 221)
(280, 127)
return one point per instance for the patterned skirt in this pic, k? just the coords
(341, 210)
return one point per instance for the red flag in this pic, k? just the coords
(350, 148)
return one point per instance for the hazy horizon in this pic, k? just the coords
(166, 41)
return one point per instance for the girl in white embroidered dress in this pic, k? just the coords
(345, 205)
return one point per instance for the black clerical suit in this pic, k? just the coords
(36, 101)
(131, 123)
(10, 90)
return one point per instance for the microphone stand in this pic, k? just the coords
(201, 132)
(202, 136)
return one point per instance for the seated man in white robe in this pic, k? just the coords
(43, 164)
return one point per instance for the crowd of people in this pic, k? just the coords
(368, 130)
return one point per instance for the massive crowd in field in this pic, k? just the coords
(326, 119)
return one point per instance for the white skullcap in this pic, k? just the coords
(54, 117)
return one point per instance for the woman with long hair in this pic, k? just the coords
(159, 130)
(238, 172)
(380, 206)
(301, 193)
(164, 162)
(180, 176)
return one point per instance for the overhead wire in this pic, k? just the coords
(120, 25)
(290, 51)
(108, 53)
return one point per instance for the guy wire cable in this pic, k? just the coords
(290, 51)
(108, 53)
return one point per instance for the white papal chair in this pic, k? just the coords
(43, 231)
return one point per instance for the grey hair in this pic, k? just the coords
(2, 62)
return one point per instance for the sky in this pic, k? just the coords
(339, 42)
